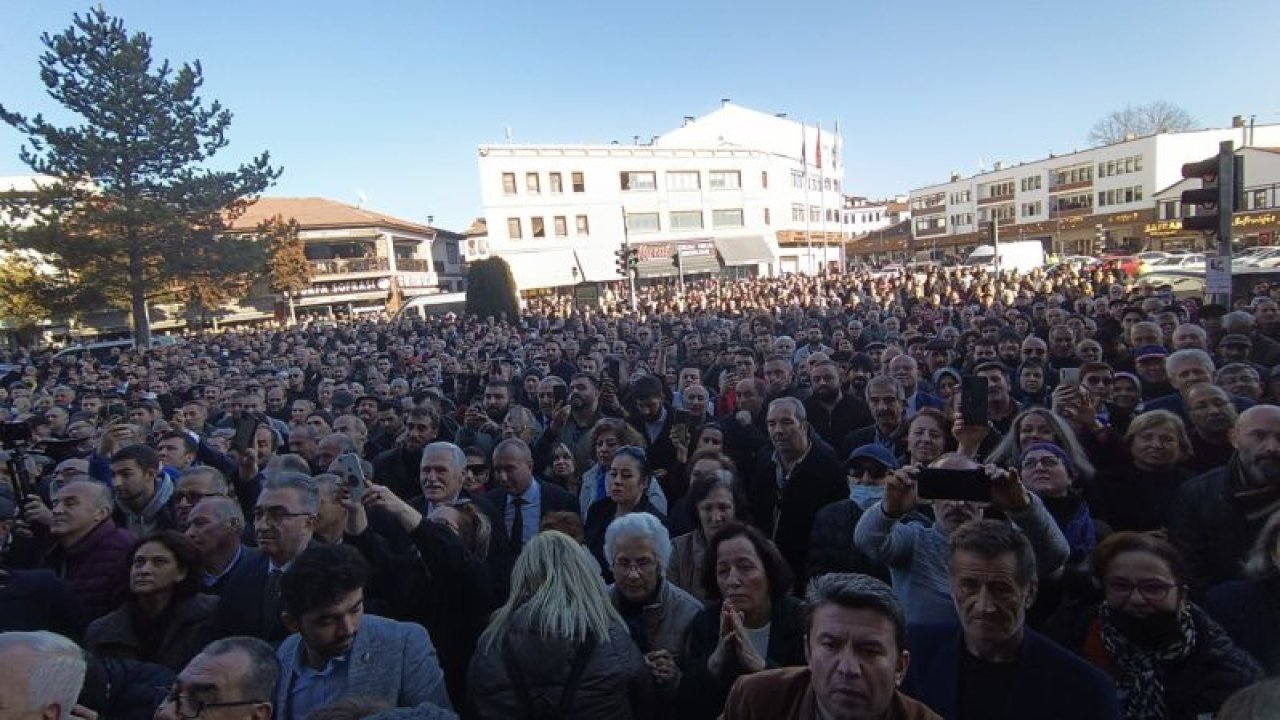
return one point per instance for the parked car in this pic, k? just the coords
(1130, 265)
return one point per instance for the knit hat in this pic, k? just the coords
(1052, 448)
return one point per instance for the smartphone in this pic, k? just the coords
(116, 411)
(942, 484)
(347, 466)
(973, 400)
(1069, 376)
(560, 393)
(613, 369)
(246, 427)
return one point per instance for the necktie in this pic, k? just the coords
(271, 600)
(517, 525)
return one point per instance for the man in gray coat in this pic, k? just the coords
(338, 652)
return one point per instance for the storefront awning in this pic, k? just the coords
(598, 264)
(745, 250)
(339, 298)
(552, 267)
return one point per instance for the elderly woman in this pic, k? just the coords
(1139, 492)
(717, 500)
(753, 624)
(1167, 657)
(928, 436)
(521, 423)
(1249, 609)
(628, 477)
(165, 620)
(656, 612)
(558, 643)
(607, 435)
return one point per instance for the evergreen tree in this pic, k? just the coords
(491, 290)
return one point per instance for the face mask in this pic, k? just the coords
(864, 496)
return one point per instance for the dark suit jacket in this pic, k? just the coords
(1052, 683)
(553, 499)
(240, 610)
(816, 481)
(867, 436)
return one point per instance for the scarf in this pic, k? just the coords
(1140, 686)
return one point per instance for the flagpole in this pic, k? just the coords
(835, 167)
(804, 159)
(822, 193)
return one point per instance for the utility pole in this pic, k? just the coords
(1221, 191)
(630, 260)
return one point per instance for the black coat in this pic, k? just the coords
(240, 610)
(1249, 610)
(867, 436)
(398, 469)
(1210, 532)
(818, 480)
(1131, 499)
(831, 547)
(850, 414)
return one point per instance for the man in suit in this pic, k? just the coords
(789, 486)
(906, 371)
(284, 521)
(216, 526)
(887, 401)
(521, 499)
(337, 652)
(992, 666)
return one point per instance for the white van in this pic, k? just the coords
(1018, 256)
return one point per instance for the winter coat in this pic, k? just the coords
(96, 567)
(190, 627)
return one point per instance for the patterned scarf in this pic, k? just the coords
(1140, 686)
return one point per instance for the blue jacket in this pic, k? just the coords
(392, 662)
(1052, 683)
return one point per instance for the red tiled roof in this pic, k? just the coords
(314, 213)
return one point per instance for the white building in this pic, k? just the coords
(727, 192)
(1068, 201)
(862, 215)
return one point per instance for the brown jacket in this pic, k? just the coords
(785, 694)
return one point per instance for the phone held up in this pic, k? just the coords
(347, 466)
(945, 484)
(974, 391)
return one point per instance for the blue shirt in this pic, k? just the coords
(311, 689)
(532, 511)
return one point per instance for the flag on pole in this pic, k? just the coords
(804, 148)
(835, 148)
(817, 149)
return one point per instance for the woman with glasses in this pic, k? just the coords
(165, 619)
(751, 624)
(1249, 609)
(1167, 657)
(558, 644)
(1038, 424)
(1138, 492)
(628, 481)
(656, 612)
(716, 499)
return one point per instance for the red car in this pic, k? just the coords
(1127, 264)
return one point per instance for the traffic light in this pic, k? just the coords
(621, 254)
(1222, 180)
(628, 257)
(633, 259)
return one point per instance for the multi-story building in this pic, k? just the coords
(1256, 221)
(737, 192)
(363, 260)
(1069, 201)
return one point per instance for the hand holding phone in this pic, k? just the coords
(946, 484)
(974, 400)
(348, 467)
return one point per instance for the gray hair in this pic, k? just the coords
(300, 483)
(263, 674)
(889, 382)
(223, 508)
(342, 441)
(1238, 321)
(1236, 367)
(643, 525)
(101, 493)
(56, 674)
(287, 462)
(855, 591)
(219, 480)
(456, 455)
(1191, 355)
(797, 407)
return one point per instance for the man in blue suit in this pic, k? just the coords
(337, 652)
(522, 500)
(992, 667)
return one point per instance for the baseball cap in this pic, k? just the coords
(1235, 339)
(1149, 351)
(342, 399)
(876, 453)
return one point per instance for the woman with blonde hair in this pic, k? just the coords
(1039, 424)
(558, 645)
(1139, 492)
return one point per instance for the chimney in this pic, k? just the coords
(1237, 121)
(635, 139)
(997, 166)
(687, 119)
(780, 115)
(955, 176)
(724, 101)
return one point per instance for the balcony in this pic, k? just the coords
(993, 199)
(1067, 187)
(343, 266)
(1070, 212)
(931, 231)
(930, 210)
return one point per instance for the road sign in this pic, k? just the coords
(1217, 276)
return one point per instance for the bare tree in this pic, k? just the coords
(1139, 120)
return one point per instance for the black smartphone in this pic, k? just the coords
(942, 484)
(613, 369)
(973, 400)
(347, 466)
(246, 426)
(560, 393)
(116, 411)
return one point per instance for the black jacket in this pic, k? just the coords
(834, 425)
(817, 480)
(1249, 610)
(867, 436)
(553, 498)
(831, 547)
(1208, 529)
(399, 470)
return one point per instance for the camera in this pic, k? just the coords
(12, 433)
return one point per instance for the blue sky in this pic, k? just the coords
(391, 97)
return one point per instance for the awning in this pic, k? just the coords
(598, 263)
(552, 267)
(745, 250)
(336, 299)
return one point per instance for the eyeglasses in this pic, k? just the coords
(626, 566)
(1048, 462)
(876, 472)
(193, 497)
(275, 515)
(1153, 590)
(189, 708)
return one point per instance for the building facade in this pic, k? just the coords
(1087, 202)
(736, 192)
(1255, 222)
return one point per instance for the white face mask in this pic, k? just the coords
(864, 496)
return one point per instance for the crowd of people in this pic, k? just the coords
(946, 494)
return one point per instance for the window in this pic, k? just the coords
(513, 228)
(556, 181)
(451, 253)
(766, 216)
(562, 226)
(1120, 196)
(726, 218)
(538, 227)
(639, 181)
(508, 183)
(922, 202)
(584, 228)
(1031, 183)
(797, 179)
(1076, 201)
(963, 196)
(686, 220)
(797, 212)
(724, 180)
(532, 183)
(764, 179)
(961, 219)
(997, 189)
(1068, 176)
(1120, 166)
(1031, 208)
(684, 181)
(639, 223)
(1170, 210)
(815, 213)
(1258, 200)
(931, 224)
(996, 212)
(579, 182)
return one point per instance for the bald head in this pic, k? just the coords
(1256, 438)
